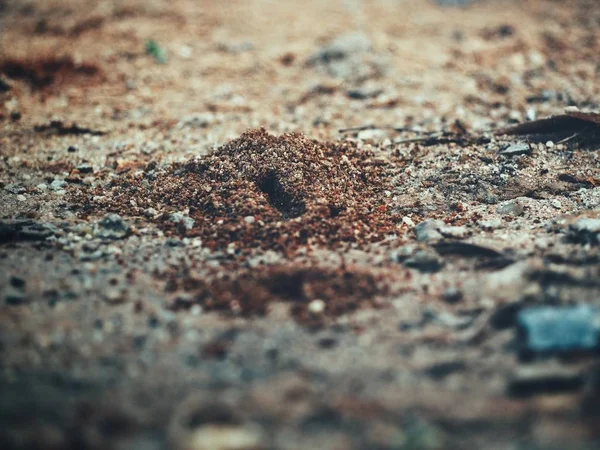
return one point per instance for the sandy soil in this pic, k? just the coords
(292, 225)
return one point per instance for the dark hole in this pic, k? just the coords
(285, 202)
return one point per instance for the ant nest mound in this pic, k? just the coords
(265, 191)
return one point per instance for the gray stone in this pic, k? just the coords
(112, 226)
(181, 218)
(446, 319)
(236, 47)
(15, 188)
(401, 254)
(554, 329)
(200, 120)
(348, 56)
(511, 209)
(425, 261)
(340, 48)
(57, 185)
(454, 232)
(489, 225)
(520, 148)
(362, 93)
(428, 230)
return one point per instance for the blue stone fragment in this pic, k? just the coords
(553, 329)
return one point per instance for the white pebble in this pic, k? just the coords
(549, 144)
(408, 221)
(556, 203)
(185, 51)
(249, 219)
(316, 306)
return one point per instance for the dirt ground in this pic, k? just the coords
(292, 225)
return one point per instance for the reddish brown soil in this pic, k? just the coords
(277, 193)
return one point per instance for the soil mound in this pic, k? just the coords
(262, 190)
(342, 290)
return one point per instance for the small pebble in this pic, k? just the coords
(112, 226)
(428, 230)
(520, 148)
(511, 209)
(57, 184)
(489, 225)
(425, 261)
(179, 217)
(454, 232)
(316, 307)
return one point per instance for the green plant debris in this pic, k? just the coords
(158, 53)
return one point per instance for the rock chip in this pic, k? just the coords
(490, 225)
(349, 57)
(454, 232)
(511, 209)
(425, 261)
(112, 226)
(340, 48)
(183, 219)
(57, 185)
(553, 329)
(428, 230)
(520, 148)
